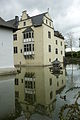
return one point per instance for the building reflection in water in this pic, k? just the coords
(7, 96)
(35, 89)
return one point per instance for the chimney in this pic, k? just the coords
(16, 18)
(16, 23)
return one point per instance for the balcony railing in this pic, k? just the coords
(29, 53)
(28, 40)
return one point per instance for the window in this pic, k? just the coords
(33, 47)
(29, 84)
(56, 51)
(56, 42)
(62, 82)
(17, 94)
(28, 35)
(15, 50)
(32, 35)
(28, 47)
(15, 37)
(61, 52)
(49, 59)
(46, 21)
(50, 80)
(61, 43)
(21, 50)
(49, 34)
(51, 95)
(49, 48)
(50, 23)
(24, 35)
(57, 84)
(21, 80)
(16, 81)
(25, 48)
(24, 23)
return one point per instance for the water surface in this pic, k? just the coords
(37, 94)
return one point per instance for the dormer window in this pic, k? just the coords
(24, 23)
(28, 33)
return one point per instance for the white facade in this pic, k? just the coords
(6, 48)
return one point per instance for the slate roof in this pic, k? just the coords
(28, 29)
(14, 22)
(3, 23)
(58, 34)
(38, 19)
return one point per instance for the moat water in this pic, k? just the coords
(38, 94)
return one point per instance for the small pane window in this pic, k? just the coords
(24, 36)
(56, 42)
(32, 35)
(15, 50)
(49, 48)
(49, 59)
(49, 34)
(21, 50)
(56, 51)
(51, 95)
(15, 37)
(24, 48)
(24, 23)
(46, 21)
(33, 47)
(57, 84)
(16, 81)
(50, 80)
(62, 81)
(61, 43)
(29, 35)
(50, 23)
(61, 52)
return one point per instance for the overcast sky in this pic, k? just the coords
(65, 13)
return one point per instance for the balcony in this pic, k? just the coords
(28, 40)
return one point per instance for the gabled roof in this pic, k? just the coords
(28, 29)
(4, 24)
(58, 34)
(38, 19)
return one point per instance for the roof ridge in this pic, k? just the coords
(39, 14)
(10, 20)
(2, 19)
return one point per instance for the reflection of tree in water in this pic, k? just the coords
(72, 111)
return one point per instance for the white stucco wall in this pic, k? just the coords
(6, 48)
